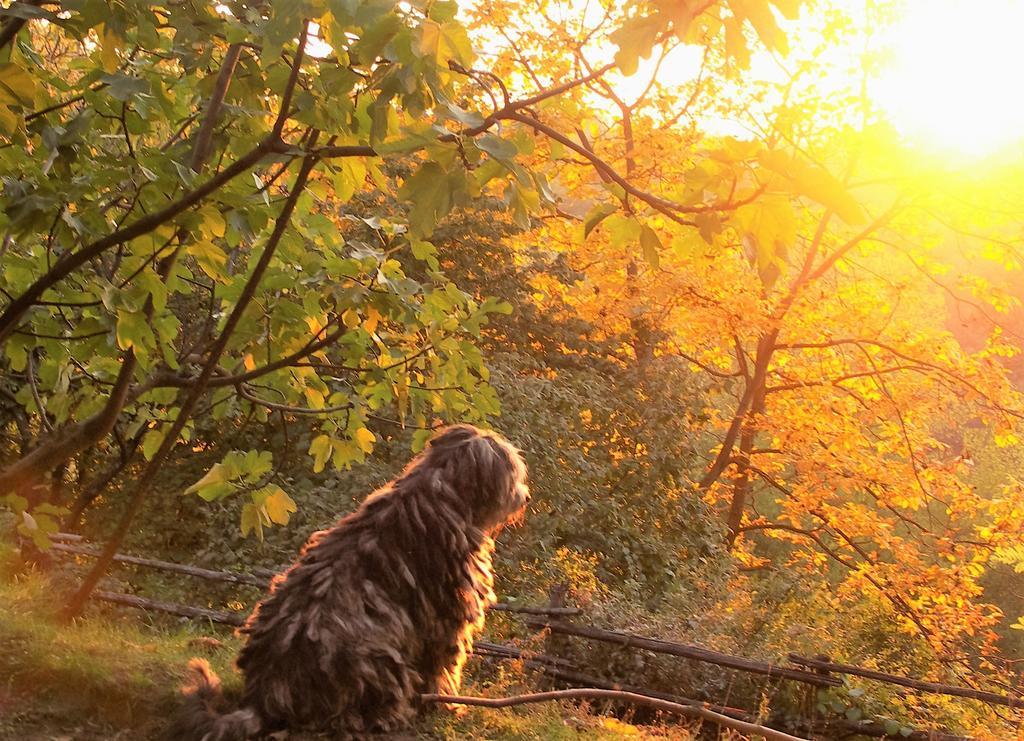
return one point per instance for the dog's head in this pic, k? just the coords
(485, 469)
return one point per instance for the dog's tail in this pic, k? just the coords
(203, 716)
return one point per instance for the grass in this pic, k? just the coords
(105, 676)
(113, 675)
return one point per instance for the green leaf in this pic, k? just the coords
(417, 136)
(9, 121)
(760, 16)
(497, 147)
(768, 228)
(376, 37)
(635, 39)
(736, 46)
(495, 305)
(468, 118)
(651, 246)
(622, 230)
(454, 44)
(210, 258)
(349, 178)
(17, 503)
(122, 87)
(255, 463)
(430, 37)
(365, 439)
(133, 331)
(420, 438)
(443, 10)
(444, 42)
(429, 192)
(597, 214)
(17, 87)
(46, 508)
(110, 42)
(214, 485)
(151, 443)
(345, 454)
(212, 224)
(426, 251)
(818, 184)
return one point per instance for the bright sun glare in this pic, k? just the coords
(949, 81)
(953, 82)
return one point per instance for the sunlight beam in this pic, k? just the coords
(953, 83)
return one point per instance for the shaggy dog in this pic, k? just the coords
(378, 609)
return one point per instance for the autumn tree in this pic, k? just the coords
(809, 276)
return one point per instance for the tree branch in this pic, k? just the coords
(272, 143)
(690, 711)
(204, 139)
(250, 397)
(765, 347)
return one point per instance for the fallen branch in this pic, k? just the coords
(567, 611)
(179, 568)
(690, 711)
(689, 652)
(481, 648)
(579, 679)
(831, 728)
(917, 684)
(196, 613)
(512, 653)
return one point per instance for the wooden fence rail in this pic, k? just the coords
(179, 568)
(261, 577)
(173, 608)
(695, 653)
(917, 684)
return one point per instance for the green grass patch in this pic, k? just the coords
(97, 674)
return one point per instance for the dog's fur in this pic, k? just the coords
(378, 609)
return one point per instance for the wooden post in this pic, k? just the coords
(554, 644)
(813, 690)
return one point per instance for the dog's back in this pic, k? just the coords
(366, 620)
